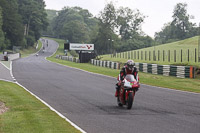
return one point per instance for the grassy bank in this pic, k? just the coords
(30, 50)
(163, 53)
(26, 114)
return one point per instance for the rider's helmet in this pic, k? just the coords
(130, 64)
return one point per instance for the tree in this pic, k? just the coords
(75, 31)
(34, 18)
(129, 22)
(75, 24)
(180, 27)
(51, 14)
(2, 44)
(122, 22)
(12, 23)
(181, 21)
(107, 24)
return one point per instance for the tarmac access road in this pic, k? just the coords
(5, 73)
(88, 99)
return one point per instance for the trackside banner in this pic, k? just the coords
(76, 46)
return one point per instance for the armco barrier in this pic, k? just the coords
(68, 58)
(166, 70)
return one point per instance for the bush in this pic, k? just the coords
(30, 40)
(73, 53)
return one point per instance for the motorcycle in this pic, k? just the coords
(127, 91)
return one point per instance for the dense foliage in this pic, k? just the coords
(2, 38)
(180, 28)
(113, 30)
(120, 30)
(74, 24)
(21, 22)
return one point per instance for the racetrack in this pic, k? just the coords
(88, 99)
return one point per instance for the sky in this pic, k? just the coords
(158, 12)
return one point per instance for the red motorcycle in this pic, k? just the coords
(128, 88)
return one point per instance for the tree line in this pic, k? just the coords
(116, 29)
(113, 30)
(21, 22)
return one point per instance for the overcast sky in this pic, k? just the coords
(159, 12)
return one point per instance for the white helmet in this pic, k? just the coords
(130, 64)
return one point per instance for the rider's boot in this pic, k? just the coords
(117, 91)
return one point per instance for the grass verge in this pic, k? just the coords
(30, 50)
(26, 114)
(162, 58)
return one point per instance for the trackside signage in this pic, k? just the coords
(76, 46)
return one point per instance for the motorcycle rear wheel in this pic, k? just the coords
(130, 101)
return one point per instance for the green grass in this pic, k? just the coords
(26, 114)
(30, 50)
(186, 44)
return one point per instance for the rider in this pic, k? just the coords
(129, 68)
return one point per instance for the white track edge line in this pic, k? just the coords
(51, 108)
(6, 80)
(62, 116)
(11, 74)
(4, 65)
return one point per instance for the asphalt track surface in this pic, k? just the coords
(88, 99)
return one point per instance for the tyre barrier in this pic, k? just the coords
(108, 64)
(166, 70)
(68, 58)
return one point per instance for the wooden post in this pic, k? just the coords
(163, 55)
(195, 55)
(181, 55)
(174, 55)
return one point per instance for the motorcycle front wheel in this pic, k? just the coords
(130, 101)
